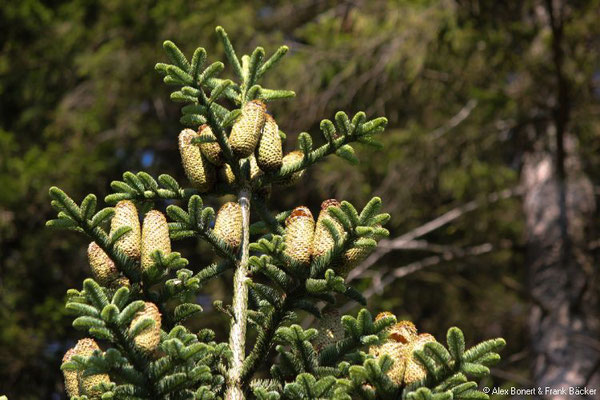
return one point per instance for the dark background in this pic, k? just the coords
(479, 94)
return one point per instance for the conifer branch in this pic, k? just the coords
(336, 143)
(112, 324)
(273, 223)
(142, 187)
(71, 216)
(218, 131)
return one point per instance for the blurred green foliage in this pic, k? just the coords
(461, 82)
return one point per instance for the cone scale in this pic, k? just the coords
(323, 241)
(246, 131)
(155, 236)
(401, 344)
(299, 231)
(228, 224)
(103, 268)
(126, 215)
(289, 159)
(75, 383)
(197, 168)
(269, 153)
(212, 151)
(226, 174)
(414, 371)
(149, 339)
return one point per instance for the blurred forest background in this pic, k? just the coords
(490, 168)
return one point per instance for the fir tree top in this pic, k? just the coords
(283, 264)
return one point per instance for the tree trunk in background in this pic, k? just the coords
(562, 275)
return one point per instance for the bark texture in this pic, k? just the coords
(562, 274)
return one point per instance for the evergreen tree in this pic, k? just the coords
(136, 308)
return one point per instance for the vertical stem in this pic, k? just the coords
(562, 109)
(237, 333)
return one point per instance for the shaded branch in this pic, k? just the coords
(387, 245)
(379, 284)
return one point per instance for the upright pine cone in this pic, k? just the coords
(354, 256)
(330, 329)
(291, 158)
(400, 346)
(149, 339)
(126, 215)
(269, 152)
(75, 383)
(351, 258)
(396, 352)
(299, 231)
(403, 332)
(323, 241)
(71, 381)
(246, 131)
(212, 151)
(198, 170)
(414, 371)
(255, 171)
(103, 268)
(155, 236)
(226, 174)
(228, 225)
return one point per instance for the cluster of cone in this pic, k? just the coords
(254, 135)
(78, 385)
(138, 243)
(305, 239)
(401, 343)
(75, 383)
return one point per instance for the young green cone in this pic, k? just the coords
(228, 225)
(126, 215)
(291, 158)
(323, 241)
(103, 268)
(226, 174)
(155, 236)
(75, 383)
(355, 255)
(400, 346)
(198, 170)
(414, 371)
(212, 151)
(396, 352)
(330, 329)
(255, 171)
(71, 380)
(269, 152)
(149, 339)
(351, 258)
(246, 131)
(299, 231)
